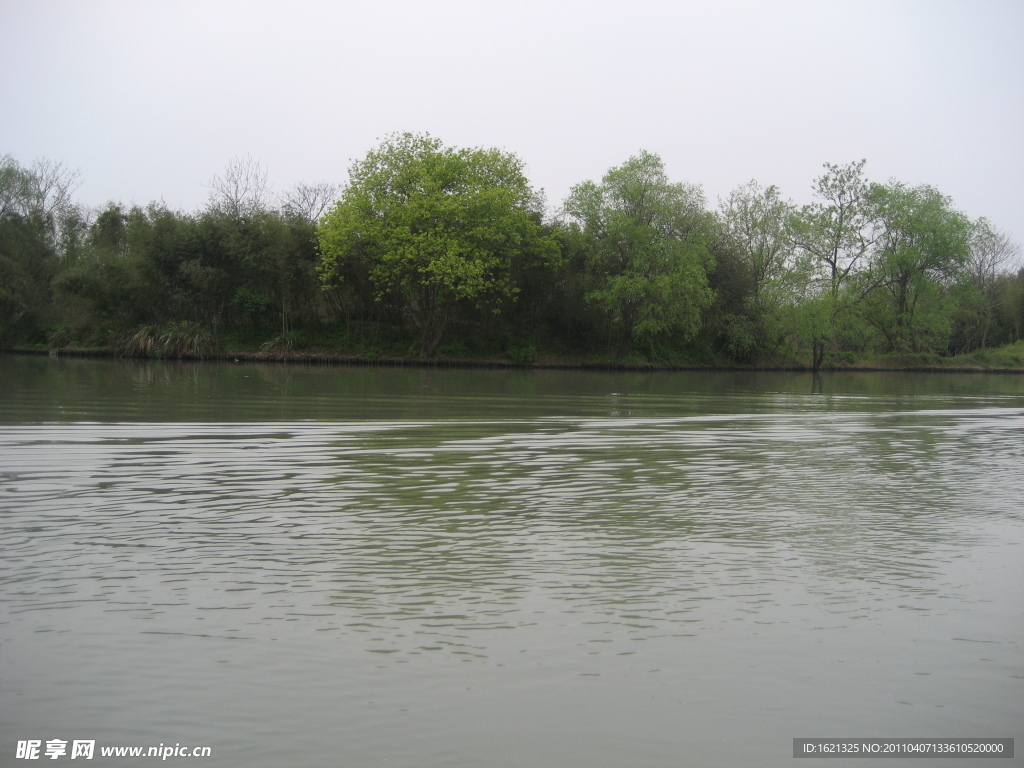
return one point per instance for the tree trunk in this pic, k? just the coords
(817, 355)
(432, 334)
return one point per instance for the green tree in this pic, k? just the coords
(647, 245)
(109, 232)
(38, 225)
(435, 226)
(756, 226)
(921, 249)
(834, 236)
(27, 265)
(275, 256)
(128, 274)
(758, 223)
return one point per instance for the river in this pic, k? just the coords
(341, 566)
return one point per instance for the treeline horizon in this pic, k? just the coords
(432, 251)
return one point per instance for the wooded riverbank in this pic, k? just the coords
(447, 254)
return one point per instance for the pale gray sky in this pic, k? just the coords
(151, 98)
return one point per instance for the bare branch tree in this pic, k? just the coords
(309, 201)
(242, 191)
(993, 253)
(43, 189)
(52, 187)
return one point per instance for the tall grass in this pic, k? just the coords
(183, 339)
(58, 338)
(142, 343)
(281, 347)
(186, 339)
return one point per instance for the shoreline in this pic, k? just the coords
(315, 358)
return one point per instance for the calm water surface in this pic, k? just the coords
(392, 567)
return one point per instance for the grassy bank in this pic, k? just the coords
(1007, 357)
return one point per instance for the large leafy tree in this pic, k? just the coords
(646, 240)
(922, 247)
(434, 226)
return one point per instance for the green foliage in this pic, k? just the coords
(434, 227)
(435, 250)
(835, 232)
(645, 240)
(109, 233)
(58, 338)
(143, 342)
(186, 339)
(182, 339)
(283, 346)
(758, 276)
(522, 354)
(35, 205)
(833, 238)
(1006, 356)
(251, 303)
(921, 250)
(27, 264)
(758, 225)
(988, 302)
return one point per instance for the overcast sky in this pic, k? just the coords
(149, 99)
